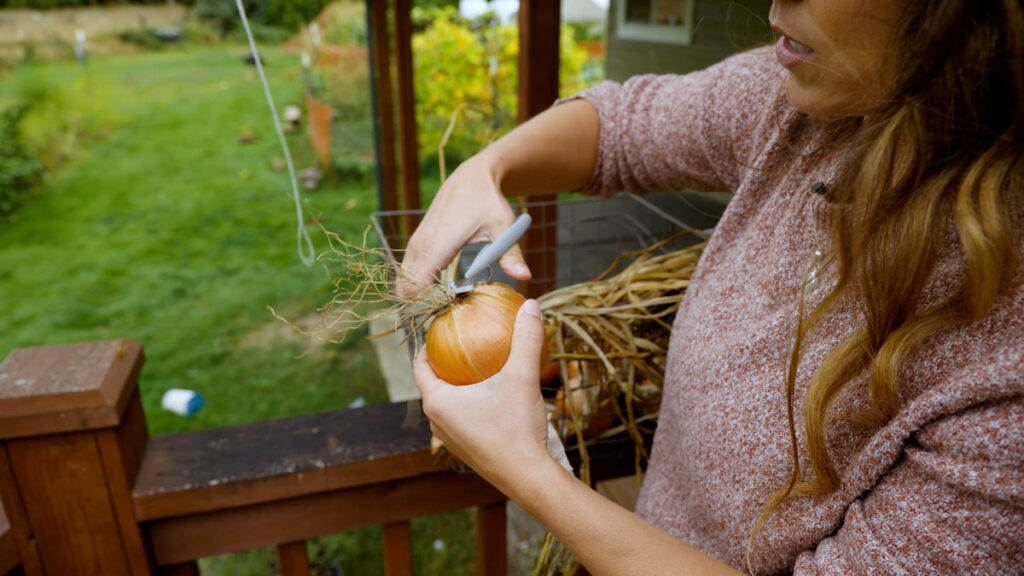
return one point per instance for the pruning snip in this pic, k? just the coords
(490, 253)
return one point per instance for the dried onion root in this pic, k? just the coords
(363, 279)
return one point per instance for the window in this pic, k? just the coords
(665, 21)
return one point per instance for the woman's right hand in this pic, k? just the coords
(554, 152)
(468, 208)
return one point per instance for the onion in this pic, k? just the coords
(471, 340)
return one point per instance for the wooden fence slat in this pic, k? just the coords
(491, 539)
(14, 508)
(65, 489)
(9, 557)
(121, 451)
(398, 548)
(292, 559)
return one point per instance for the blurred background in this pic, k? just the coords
(144, 195)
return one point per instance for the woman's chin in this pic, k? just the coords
(822, 101)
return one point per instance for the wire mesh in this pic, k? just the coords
(588, 237)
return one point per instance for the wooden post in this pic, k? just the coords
(491, 540)
(398, 548)
(72, 434)
(9, 558)
(539, 22)
(292, 559)
(384, 121)
(408, 145)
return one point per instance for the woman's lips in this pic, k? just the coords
(791, 53)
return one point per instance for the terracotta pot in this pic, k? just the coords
(319, 114)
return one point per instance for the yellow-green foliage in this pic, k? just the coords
(469, 74)
(68, 113)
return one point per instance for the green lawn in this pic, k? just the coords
(161, 227)
(173, 233)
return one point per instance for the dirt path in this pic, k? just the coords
(52, 32)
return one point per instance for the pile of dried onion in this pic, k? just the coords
(610, 336)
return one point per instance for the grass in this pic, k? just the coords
(173, 233)
(158, 225)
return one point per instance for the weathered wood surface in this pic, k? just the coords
(121, 450)
(219, 468)
(292, 559)
(64, 489)
(65, 466)
(398, 548)
(9, 558)
(66, 388)
(14, 509)
(198, 535)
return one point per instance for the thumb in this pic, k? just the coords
(528, 338)
(513, 263)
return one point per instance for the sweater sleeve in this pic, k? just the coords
(952, 504)
(700, 130)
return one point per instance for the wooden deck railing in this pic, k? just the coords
(9, 559)
(87, 491)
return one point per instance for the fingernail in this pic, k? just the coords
(521, 268)
(531, 307)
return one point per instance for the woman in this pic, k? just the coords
(845, 383)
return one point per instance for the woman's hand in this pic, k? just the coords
(498, 426)
(468, 208)
(554, 152)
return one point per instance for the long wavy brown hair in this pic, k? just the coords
(947, 146)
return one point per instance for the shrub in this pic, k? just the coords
(288, 15)
(344, 23)
(144, 37)
(20, 169)
(471, 67)
(65, 118)
(292, 14)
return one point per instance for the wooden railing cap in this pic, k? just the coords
(52, 389)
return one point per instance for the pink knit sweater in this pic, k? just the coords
(940, 489)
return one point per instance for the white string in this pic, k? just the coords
(302, 236)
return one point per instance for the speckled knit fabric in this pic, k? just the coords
(940, 489)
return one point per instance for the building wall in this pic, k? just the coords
(723, 27)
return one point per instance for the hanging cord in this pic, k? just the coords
(303, 244)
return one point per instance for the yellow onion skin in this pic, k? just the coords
(471, 341)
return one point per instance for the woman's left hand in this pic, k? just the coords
(498, 426)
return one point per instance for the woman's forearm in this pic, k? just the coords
(607, 539)
(553, 152)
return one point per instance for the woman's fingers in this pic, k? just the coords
(523, 364)
(428, 383)
(513, 263)
(500, 418)
(442, 234)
